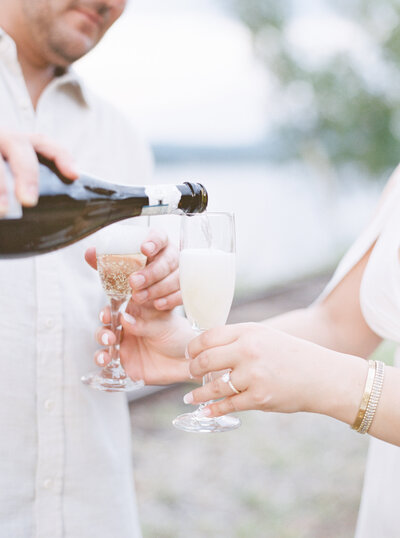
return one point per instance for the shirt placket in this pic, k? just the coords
(49, 386)
(48, 515)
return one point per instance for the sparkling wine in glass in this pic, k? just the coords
(207, 279)
(118, 256)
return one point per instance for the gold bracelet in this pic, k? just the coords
(365, 398)
(374, 398)
(370, 399)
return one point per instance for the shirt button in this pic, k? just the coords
(49, 323)
(48, 483)
(49, 405)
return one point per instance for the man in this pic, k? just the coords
(65, 456)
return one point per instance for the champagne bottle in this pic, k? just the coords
(70, 210)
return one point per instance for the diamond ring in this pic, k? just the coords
(226, 378)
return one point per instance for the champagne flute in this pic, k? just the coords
(118, 256)
(207, 278)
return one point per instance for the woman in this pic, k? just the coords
(306, 360)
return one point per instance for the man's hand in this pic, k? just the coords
(19, 150)
(157, 283)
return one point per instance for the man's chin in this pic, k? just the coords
(70, 47)
(80, 24)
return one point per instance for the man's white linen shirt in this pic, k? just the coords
(65, 452)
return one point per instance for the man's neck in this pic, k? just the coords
(38, 73)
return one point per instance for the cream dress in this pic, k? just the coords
(379, 515)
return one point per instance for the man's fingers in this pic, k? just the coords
(62, 159)
(3, 189)
(90, 257)
(18, 151)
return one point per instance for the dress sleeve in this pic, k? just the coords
(389, 201)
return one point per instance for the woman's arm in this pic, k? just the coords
(278, 372)
(314, 362)
(337, 322)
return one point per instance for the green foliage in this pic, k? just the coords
(346, 107)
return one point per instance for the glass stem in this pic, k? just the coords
(206, 378)
(116, 329)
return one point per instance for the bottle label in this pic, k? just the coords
(154, 210)
(163, 199)
(14, 207)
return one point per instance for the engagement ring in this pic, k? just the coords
(226, 378)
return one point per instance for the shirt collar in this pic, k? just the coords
(7, 45)
(69, 80)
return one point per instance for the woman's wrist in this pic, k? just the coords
(338, 385)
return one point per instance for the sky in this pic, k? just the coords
(184, 71)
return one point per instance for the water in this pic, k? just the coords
(289, 222)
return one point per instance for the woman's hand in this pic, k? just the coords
(153, 344)
(19, 150)
(157, 283)
(274, 371)
(153, 339)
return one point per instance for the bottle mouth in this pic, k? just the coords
(198, 190)
(204, 198)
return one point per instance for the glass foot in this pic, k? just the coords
(119, 384)
(192, 422)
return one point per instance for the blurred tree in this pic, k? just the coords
(341, 102)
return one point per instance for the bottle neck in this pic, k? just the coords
(132, 201)
(194, 198)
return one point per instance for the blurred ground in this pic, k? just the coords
(278, 476)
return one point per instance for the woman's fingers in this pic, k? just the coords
(232, 404)
(216, 389)
(105, 337)
(105, 315)
(158, 268)
(158, 281)
(137, 325)
(215, 360)
(169, 302)
(161, 289)
(220, 336)
(101, 357)
(155, 242)
(90, 257)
